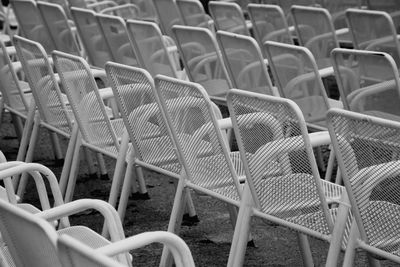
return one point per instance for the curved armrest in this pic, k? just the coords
(178, 248)
(111, 217)
(12, 168)
(371, 176)
(124, 7)
(358, 95)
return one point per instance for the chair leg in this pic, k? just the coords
(140, 180)
(56, 146)
(126, 190)
(189, 204)
(29, 157)
(68, 161)
(18, 126)
(351, 246)
(242, 230)
(102, 165)
(331, 162)
(119, 169)
(305, 250)
(73, 174)
(175, 220)
(90, 162)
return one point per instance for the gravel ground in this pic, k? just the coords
(209, 240)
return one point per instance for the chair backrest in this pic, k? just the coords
(368, 82)
(315, 31)
(30, 23)
(228, 16)
(11, 89)
(146, 10)
(366, 149)
(73, 253)
(383, 5)
(58, 26)
(202, 59)
(296, 75)
(133, 89)
(246, 66)
(193, 14)
(278, 159)
(200, 143)
(337, 10)
(31, 241)
(269, 24)
(373, 30)
(116, 35)
(85, 101)
(168, 15)
(150, 44)
(96, 48)
(43, 83)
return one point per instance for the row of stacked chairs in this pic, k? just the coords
(148, 115)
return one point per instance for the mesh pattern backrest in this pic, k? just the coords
(43, 84)
(57, 24)
(200, 54)
(269, 24)
(31, 24)
(85, 101)
(115, 33)
(287, 4)
(72, 253)
(245, 63)
(11, 90)
(315, 30)
(146, 9)
(281, 167)
(199, 141)
(90, 34)
(373, 30)
(133, 90)
(31, 242)
(168, 15)
(150, 45)
(368, 83)
(193, 13)
(367, 150)
(228, 17)
(296, 76)
(387, 5)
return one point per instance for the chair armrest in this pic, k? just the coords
(175, 244)
(111, 217)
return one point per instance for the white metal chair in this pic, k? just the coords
(203, 61)
(115, 33)
(201, 143)
(269, 24)
(60, 29)
(367, 151)
(73, 253)
(30, 23)
(156, 53)
(228, 16)
(193, 14)
(282, 179)
(168, 15)
(96, 130)
(96, 48)
(31, 239)
(149, 135)
(245, 64)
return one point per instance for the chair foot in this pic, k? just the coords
(104, 177)
(58, 162)
(188, 220)
(142, 196)
(251, 244)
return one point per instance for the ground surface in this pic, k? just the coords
(209, 240)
